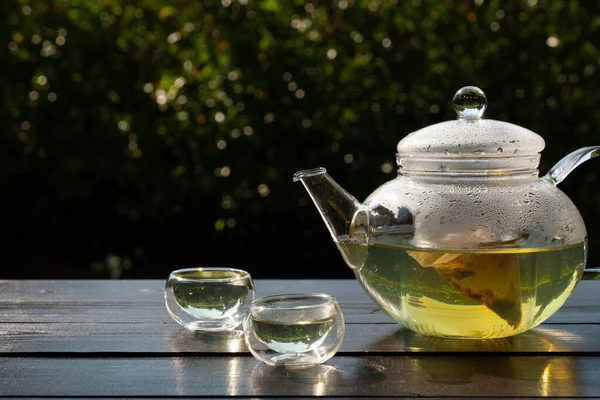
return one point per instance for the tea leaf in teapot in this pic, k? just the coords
(491, 279)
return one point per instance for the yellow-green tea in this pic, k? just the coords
(207, 300)
(483, 293)
(292, 337)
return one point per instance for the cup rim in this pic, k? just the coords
(242, 275)
(327, 300)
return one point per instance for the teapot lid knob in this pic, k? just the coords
(469, 102)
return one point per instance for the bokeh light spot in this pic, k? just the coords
(387, 167)
(552, 41)
(263, 190)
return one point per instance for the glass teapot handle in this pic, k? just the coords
(561, 169)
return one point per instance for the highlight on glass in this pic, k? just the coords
(294, 329)
(209, 299)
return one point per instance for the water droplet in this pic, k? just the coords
(469, 102)
(499, 149)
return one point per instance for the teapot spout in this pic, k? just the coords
(568, 163)
(344, 216)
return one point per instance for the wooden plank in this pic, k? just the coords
(169, 339)
(142, 301)
(141, 314)
(432, 376)
(148, 290)
(295, 397)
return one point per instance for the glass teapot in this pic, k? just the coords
(468, 241)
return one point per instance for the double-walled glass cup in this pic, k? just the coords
(294, 329)
(209, 299)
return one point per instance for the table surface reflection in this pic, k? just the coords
(116, 339)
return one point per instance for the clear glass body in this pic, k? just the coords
(294, 329)
(468, 241)
(477, 257)
(209, 299)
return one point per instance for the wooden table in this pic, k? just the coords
(115, 339)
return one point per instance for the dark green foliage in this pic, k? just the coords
(149, 135)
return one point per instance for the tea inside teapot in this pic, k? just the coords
(482, 292)
(490, 279)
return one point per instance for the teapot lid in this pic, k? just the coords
(471, 136)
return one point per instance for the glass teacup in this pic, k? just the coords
(294, 329)
(209, 299)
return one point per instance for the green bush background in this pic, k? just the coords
(143, 136)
